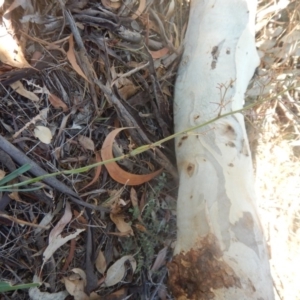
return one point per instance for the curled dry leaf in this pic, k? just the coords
(75, 286)
(120, 223)
(58, 242)
(43, 134)
(72, 58)
(140, 9)
(59, 227)
(81, 273)
(86, 142)
(57, 102)
(117, 271)
(116, 172)
(111, 4)
(19, 88)
(55, 239)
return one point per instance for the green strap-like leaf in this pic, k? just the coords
(6, 287)
(15, 174)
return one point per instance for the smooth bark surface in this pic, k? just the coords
(221, 252)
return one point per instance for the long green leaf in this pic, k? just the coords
(8, 189)
(15, 174)
(6, 287)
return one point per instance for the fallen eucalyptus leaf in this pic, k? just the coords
(43, 134)
(117, 271)
(116, 172)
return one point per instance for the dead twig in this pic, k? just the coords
(36, 170)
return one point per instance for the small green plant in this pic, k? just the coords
(13, 175)
(7, 287)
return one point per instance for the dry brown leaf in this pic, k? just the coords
(43, 134)
(140, 9)
(116, 172)
(58, 242)
(160, 259)
(41, 116)
(159, 53)
(57, 102)
(10, 51)
(134, 198)
(140, 227)
(2, 174)
(86, 142)
(19, 88)
(36, 56)
(128, 90)
(79, 217)
(75, 284)
(101, 262)
(55, 239)
(170, 11)
(120, 223)
(117, 271)
(81, 273)
(59, 227)
(15, 196)
(72, 58)
(95, 296)
(97, 171)
(111, 4)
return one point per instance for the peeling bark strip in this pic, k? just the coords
(220, 252)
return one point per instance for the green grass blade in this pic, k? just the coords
(15, 174)
(8, 189)
(6, 287)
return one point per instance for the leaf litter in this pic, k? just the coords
(87, 69)
(75, 75)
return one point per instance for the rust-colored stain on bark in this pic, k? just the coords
(181, 140)
(194, 274)
(190, 169)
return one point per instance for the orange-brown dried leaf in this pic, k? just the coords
(115, 171)
(159, 53)
(57, 102)
(120, 223)
(86, 142)
(111, 4)
(140, 9)
(72, 58)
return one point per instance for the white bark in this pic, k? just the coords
(221, 252)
